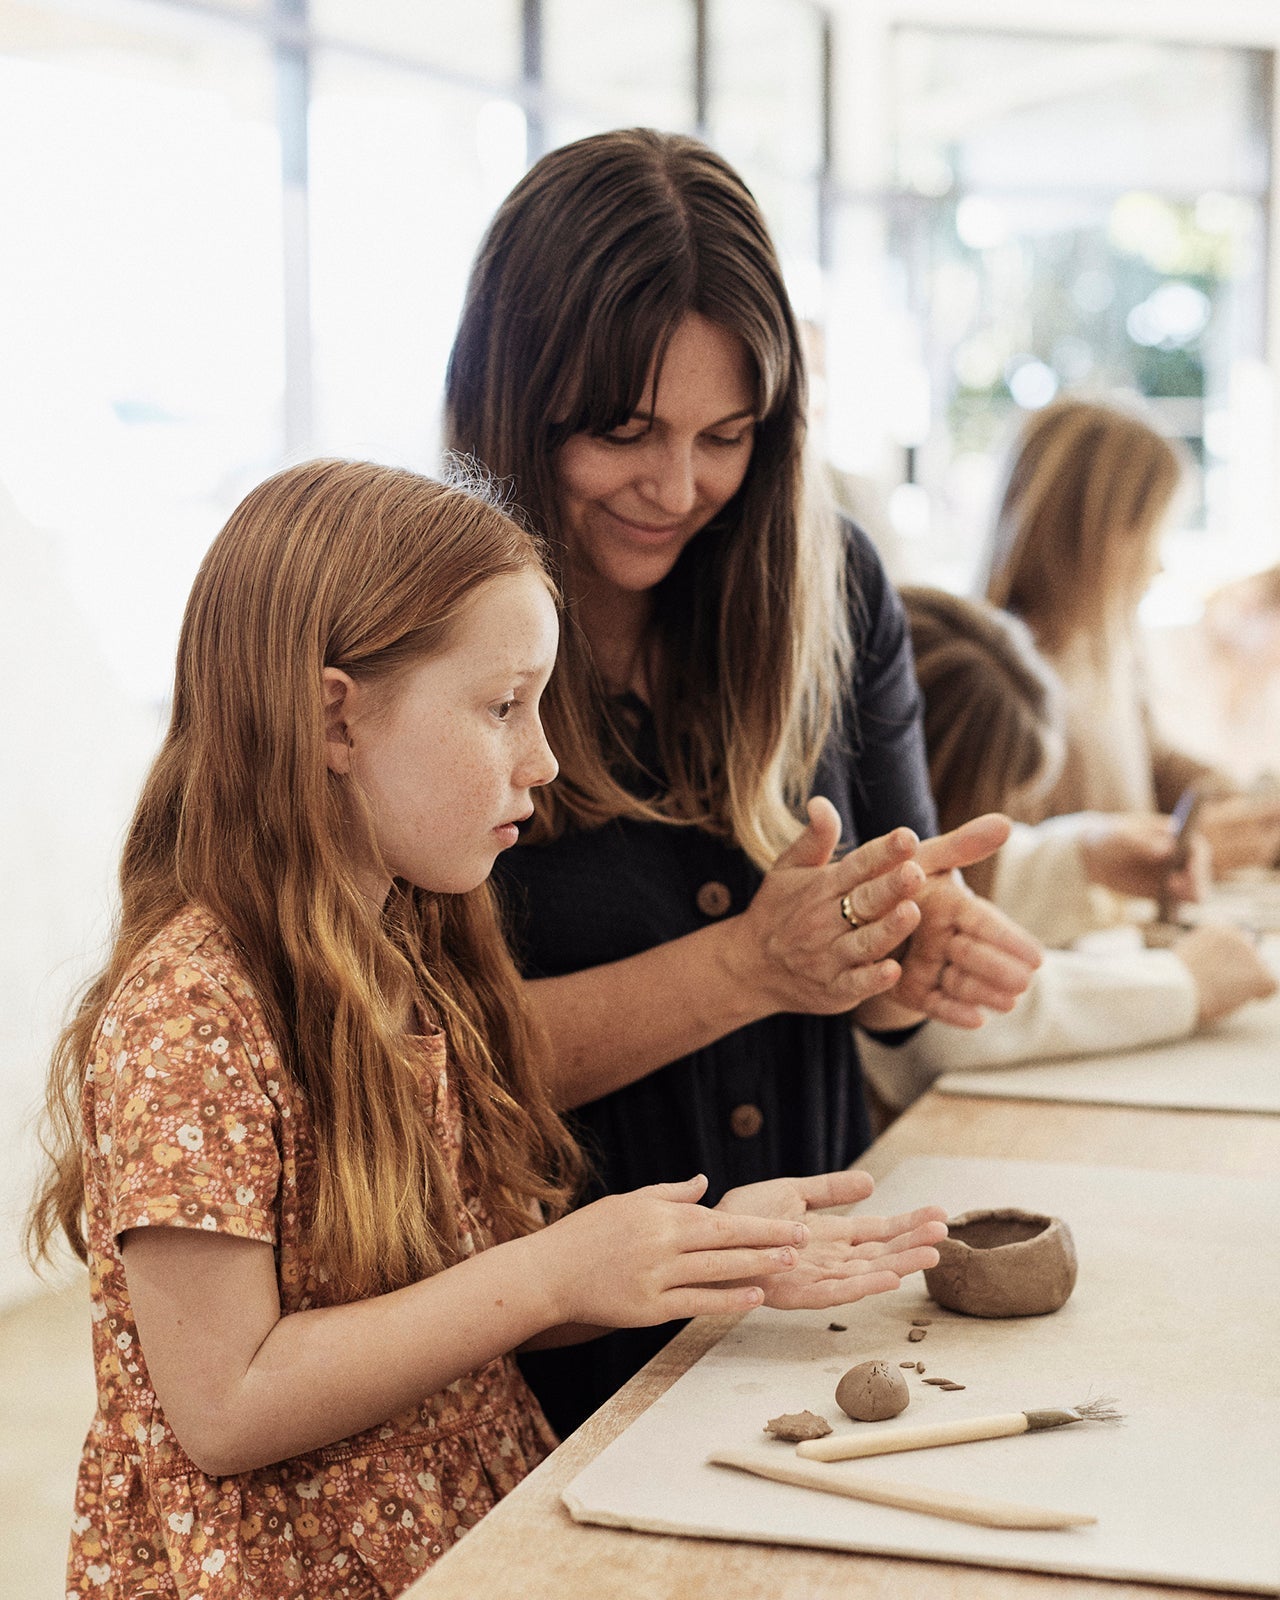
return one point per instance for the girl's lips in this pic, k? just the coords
(509, 832)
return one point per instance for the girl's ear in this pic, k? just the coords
(339, 691)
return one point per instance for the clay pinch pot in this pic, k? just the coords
(1006, 1263)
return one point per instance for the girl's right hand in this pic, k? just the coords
(654, 1254)
(792, 943)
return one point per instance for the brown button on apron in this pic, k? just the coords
(746, 1121)
(713, 899)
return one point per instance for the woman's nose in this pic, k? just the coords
(672, 483)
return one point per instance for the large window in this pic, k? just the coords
(405, 174)
(140, 306)
(1088, 215)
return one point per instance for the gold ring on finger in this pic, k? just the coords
(846, 910)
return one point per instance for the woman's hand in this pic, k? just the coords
(793, 944)
(846, 1258)
(966, 955)
(653, 1254)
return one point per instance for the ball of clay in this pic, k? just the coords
(873, 1391)
(1004, 1264)
(794, 1426)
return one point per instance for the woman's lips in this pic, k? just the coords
(644, 533)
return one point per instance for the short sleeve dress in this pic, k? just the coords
(191, 1121)
(780, 1096)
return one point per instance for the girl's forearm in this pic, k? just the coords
(328, 1374)
(611, 1025)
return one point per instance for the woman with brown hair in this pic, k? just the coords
(1088, 492)
(733, 660)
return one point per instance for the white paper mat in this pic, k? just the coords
(1234, 1066)
(1175, 1314)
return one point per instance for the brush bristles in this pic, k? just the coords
(1100, 1410)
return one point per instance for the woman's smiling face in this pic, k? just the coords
(631, 500)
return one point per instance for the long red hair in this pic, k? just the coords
(365, 568)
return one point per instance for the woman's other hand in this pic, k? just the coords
(966, 957)
(846, 1258)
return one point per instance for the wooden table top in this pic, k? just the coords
(529, 1547)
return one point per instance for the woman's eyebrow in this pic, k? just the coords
(734, 416)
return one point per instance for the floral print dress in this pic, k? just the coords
(192, 1122)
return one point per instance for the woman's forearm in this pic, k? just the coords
(611, 1025)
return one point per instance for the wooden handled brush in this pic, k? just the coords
(848, 1446)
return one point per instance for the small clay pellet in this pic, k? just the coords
(837, 1327)
(920, 1368)
(914, 1335)
(922, 1322)
(873, 1391)
(952, 1386)
(940, 1383)
(909, 1365)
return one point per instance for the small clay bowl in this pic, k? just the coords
(1004, 1264)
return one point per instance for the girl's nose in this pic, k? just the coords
(541, 766)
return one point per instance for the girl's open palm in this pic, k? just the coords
(846, 1258)
(648, 1256)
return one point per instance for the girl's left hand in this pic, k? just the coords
(966, 954)
(846, 1258)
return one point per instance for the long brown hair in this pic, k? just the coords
(993, 709)
(365, 568)
(1087, 489)
(587, 269)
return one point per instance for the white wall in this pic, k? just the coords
(75, 750)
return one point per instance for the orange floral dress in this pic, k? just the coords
(192, 1122)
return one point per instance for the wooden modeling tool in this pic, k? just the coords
(964, 1430)
(907, 1496)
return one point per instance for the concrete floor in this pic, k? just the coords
(46, 1405)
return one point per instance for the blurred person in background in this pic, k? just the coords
(1221, 676)
(993, 723)
(1088, 493)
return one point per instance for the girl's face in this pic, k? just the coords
(631, 500)
(447, 755)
